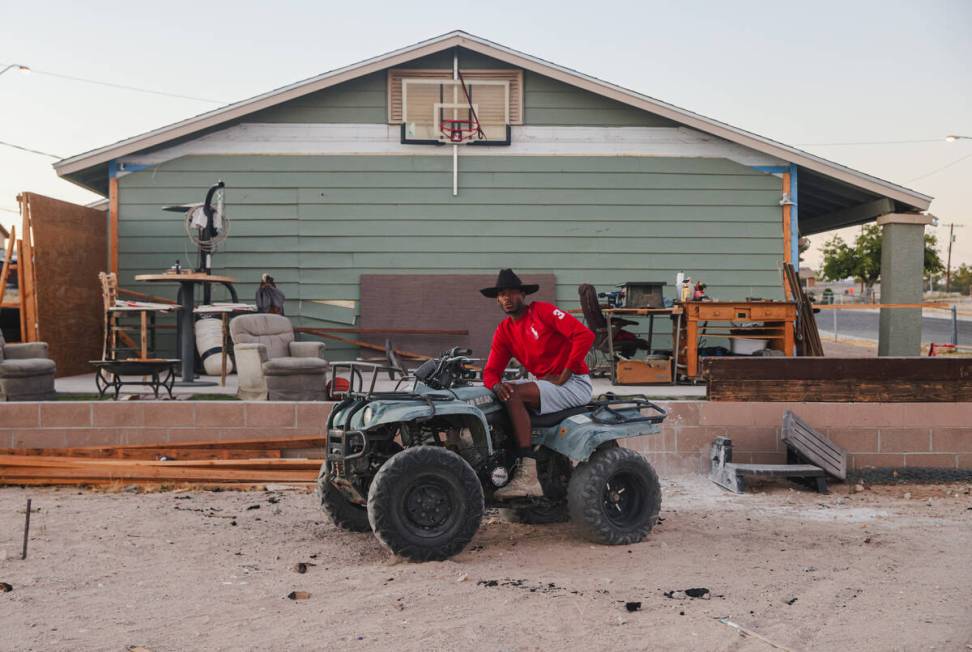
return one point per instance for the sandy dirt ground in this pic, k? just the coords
(883, 569)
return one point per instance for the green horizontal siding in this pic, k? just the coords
(317, 223)
(359, 101)
(547, 101)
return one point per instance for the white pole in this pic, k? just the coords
(835, 324)
(455, 148)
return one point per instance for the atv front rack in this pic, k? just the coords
(356, 383)
(610, 408)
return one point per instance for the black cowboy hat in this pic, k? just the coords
(507, 280)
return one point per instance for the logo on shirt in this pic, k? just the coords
(536, 335)
(558, 314)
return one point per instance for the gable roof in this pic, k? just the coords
(76, 165)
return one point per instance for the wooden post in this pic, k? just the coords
(23, 305)
(225, 333)
(144, 334)
(787, 227)
(7, 259)
(113, 223)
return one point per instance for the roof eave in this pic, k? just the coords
(213, 118)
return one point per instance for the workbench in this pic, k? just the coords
(778, 321)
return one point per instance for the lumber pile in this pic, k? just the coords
(807, 334)
(241, 463)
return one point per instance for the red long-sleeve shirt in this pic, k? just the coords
(546, 340)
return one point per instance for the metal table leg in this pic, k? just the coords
(612, 364)
(187, 338)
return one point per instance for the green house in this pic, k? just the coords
(597, 184)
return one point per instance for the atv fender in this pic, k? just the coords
(577, 437)
(388, 412)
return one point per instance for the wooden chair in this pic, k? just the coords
(117, 310)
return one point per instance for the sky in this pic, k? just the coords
(819, 76)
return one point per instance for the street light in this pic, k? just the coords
(18, 67)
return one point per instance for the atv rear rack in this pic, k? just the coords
(609, 409)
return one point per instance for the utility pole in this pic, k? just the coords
(948, 265)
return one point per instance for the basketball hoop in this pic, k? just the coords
(459, 131)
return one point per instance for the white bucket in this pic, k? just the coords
(746, 346)
(209, 343)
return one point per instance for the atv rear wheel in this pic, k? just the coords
(344, 514)
(425, 503)
(614, 498)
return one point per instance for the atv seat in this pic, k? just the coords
(552, 419)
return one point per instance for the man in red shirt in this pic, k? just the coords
(552, 345)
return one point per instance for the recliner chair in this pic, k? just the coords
(26, 373)
(270, 363)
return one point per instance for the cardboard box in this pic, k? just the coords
(643, 372)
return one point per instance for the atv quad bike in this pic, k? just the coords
(418, 467)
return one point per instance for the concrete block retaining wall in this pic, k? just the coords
(937, 435)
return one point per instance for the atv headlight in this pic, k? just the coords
(367, 415)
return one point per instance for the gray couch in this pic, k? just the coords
(26, 373)
(270, 363)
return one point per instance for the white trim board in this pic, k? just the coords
(379, 139)
(483, 46)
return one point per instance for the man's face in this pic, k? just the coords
(511, 301)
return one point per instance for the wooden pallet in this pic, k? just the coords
(804, 444)
(729, 475)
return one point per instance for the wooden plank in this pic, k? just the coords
(12, 474)
(148, 453)
(897, 369)
(22, 308)
(269, 463)
(113, 219)
(11, 239)
(26, 274)
(195, 485)
(842, 391)
(254, 443)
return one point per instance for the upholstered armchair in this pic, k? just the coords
(270, 363)
(26, 373)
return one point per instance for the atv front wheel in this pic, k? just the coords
(425, 503)
(614, 498)
(345, 514)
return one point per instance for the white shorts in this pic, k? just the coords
(577, 391)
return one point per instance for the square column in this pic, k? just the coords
(902, 269)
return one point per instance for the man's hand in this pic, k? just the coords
(561, 378)
(503, 391)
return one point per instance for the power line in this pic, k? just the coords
(937, 170)
(873, 142)
(9, 210)
(32, 151)
(126, 87)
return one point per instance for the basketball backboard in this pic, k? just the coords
(455, 111)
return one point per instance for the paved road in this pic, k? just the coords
(864, 324)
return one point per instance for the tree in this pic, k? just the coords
(863, 261)
(962, 279)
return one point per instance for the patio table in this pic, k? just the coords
(187, 337)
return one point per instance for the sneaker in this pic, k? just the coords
(524, 482)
